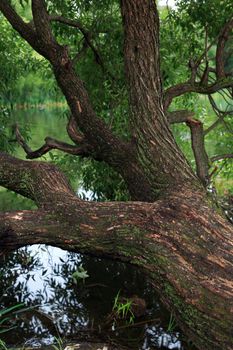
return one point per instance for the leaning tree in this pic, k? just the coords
(170, 228)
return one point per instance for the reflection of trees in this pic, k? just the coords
(67, 308)
(15, 290)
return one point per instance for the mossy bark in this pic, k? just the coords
(182, 243)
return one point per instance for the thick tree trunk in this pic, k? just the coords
(182, 243)
(163, 163)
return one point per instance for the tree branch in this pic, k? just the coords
(187, 87)
(42, 24)
(214, 125)
(144, 234)
(24, 29)
(202, 87)
(87, 37)
(197, 141)
(221, 156)
(83, 150)
(38, 181)
(198, 147)
(223, 37)
(180, 116)
(73, 132)
(86, 34)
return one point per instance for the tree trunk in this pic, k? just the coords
(162, 161)
(182, 243)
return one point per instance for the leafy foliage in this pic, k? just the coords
(79, 274)
(8, 314)
(204, 13)
(123, 309)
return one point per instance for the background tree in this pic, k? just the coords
(171, 229)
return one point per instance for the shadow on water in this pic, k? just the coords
(80, 309)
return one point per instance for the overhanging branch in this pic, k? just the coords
(149, 236)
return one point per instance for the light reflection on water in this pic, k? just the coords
(42, 276)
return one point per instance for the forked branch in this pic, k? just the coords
(107, 146)
(83, 150)
(197, 141)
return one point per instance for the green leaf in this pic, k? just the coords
(80, 273)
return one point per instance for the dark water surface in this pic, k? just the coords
(41, 276)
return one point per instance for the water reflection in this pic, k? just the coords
(156, 336)
(41, 276)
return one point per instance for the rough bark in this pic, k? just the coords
(156, 147)
(197, 141)
(198, 146)
(104, 144)
(183, 245)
